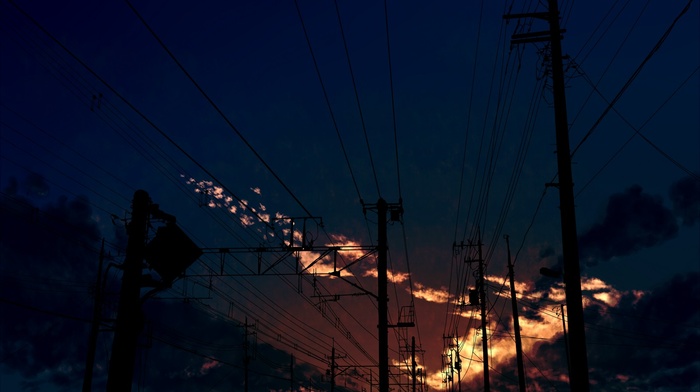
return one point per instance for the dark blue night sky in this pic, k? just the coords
(232, 115)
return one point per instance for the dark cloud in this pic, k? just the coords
(36, 185)
(653, 340)
(48, 265)
(47, 274)
(685, 196)
(33, 185)
(186, 337)
(634, 220)
(650, 342)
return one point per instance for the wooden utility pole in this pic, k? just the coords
(129, 319)
(291, 374)
(246, 355)
(413, 361)
(481, 292)
(566, 340)
(516, 322)
(382, 297)
(482, 300)
(578, 375)
(395, 210)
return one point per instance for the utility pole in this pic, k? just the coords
(572, 269)
(383, 299)
(413, 361)
(291, 374)
(578, 375)
(94, 329)
(566, 340)
(458, 366)
(246, 356)
(333, 367)
(395, 211)
(129, 319)
(516, 322)
(481, 292)
(484, 340)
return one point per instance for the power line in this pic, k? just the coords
(218, 110)
(328, 102)
(132, 107)
(633, 76)
(393, 99)
(357, 97)
(637, 132)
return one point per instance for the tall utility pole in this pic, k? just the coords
(482, 300)
(566, 340)
(333, 367)
(413, 362)
(246, 355)
(129, 319)
(395, 210)
(578, 375)
(481, 290)
(291, 374)
(516, 322)
(382, 297)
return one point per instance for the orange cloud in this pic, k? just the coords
(440, 295)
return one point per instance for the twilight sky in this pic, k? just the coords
(234, 115)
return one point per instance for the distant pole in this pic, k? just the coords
(95, 328)
(482, 298)
(566, 340)
(572, 270)
(413, 361)
(516, 322)
(459, 368)
(452, 372)
(246, 358)
(129, 319)
(291, 374)
(382, 209)
(333, 367)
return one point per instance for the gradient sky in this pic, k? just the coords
(93, 107)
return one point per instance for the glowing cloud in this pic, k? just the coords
(440, 295)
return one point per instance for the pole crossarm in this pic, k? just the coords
(287, 251)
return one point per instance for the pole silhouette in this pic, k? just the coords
(578, 374)
(516, 322)
(129, 319)
(572, 270)
(382, 298)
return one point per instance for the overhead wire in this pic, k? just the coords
(76, 81)
(579, 55)
(131, 106)
(574, 63)
(393, 98)
(216, 108)
(330, 109)
(463, 166)
(637, 130)
(357, 98)
(632, 77)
